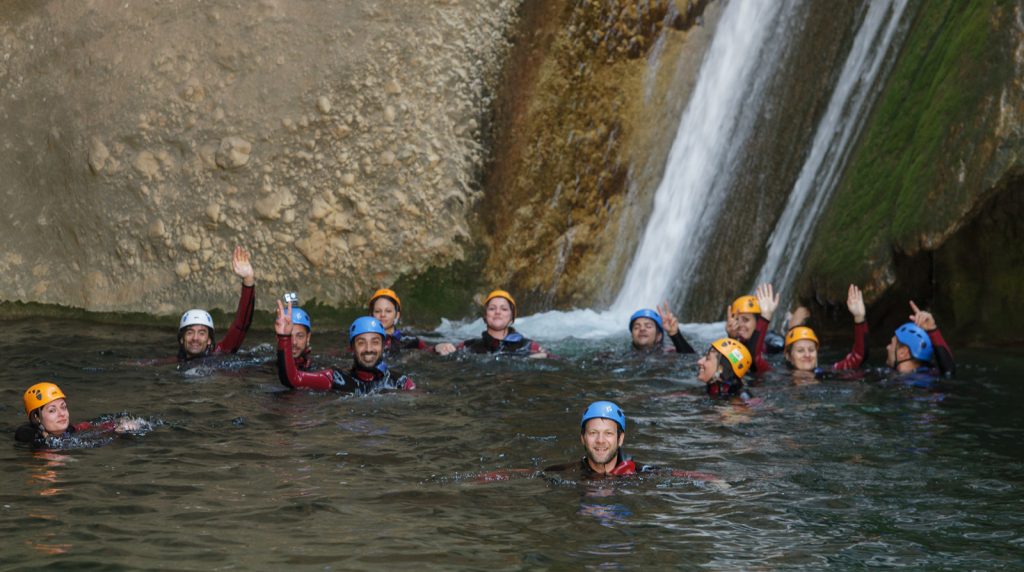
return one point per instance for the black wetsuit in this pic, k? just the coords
(513, 343)
(359, 380)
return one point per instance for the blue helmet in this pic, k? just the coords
(604, 410)
(365, 325)
(300, 317)
(915, 338)
(646, 313)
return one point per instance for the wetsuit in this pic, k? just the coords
(359, 380)
(943, 355)
(728, 389)
(679, 343)
(854, 359)
(624, 465)
(514, 343)
(236, 333)
(395, 342)
(29, 433)
(305, 360)
(755, 345)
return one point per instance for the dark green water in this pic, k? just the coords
(243, 475)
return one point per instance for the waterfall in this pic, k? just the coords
(728, 97)
(855, 92)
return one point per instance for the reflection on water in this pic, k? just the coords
(242, 474)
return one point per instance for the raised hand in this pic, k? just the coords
(855, 303)
(730, 322)
(768, 300)
(923, 319)
(668, 319)
(283, 323)
(242, 267)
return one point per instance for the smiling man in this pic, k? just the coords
(195, 329)
(369, 373)
(602, 432)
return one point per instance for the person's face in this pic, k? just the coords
(498, 315)
(895, 353)
(386, 313)
(601, 439)
(645, 333)
(707, 366)
(300, 340)
(745, 324)
(54, 417)
(368, 348)
(803, 355)
(195, 339)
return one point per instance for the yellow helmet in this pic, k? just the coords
(737, 354)
(801, 333)
(746, 305)
(502, 294)
(386, 293)
(40, 394)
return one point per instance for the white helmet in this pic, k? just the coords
(196, 317)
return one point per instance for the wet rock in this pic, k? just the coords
(233, 152)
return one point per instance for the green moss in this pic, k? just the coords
(929, 124)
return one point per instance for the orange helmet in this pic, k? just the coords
(746, 305)
(386, 293)
(40, 394)
(737, 354)
(502, 294)
(801, 333)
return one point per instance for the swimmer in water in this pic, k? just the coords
(500, 336)
(721, 381)
(802, 344)
(647, 329)
(302, 337)
(369, 373)
(195, 329)
(916, 344)
(602, 432)
(747, 321)
(50, 421)
(387, 308)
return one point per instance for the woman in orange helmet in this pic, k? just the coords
(49, 420)
(722, 368)
(500, 336)
(801, 350)
(747, 320)
(387, 308)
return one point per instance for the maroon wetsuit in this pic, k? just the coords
(236, 333)
(359, 380)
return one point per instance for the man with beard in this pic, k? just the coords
(602, 431)
(369, 373)
(195, 329)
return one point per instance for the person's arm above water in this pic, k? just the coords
(943, 355)
(859, 353)
(246, 304)
(287, 372)
(672, 329)
(768, 300)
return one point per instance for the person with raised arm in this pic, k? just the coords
(802, 343)
(917, 344)
(747, 320)
(195, 329)
(369, 373)
(647, 329)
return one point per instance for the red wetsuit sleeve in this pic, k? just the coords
(761, 365)
(289, 375)
(243, 319)
(858, 354)
(943, 355)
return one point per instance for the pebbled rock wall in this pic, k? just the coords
(341, 142)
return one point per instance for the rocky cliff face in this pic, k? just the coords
(929, 206)
(340, 142)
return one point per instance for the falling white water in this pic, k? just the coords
(744, 54)
(853, 96)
